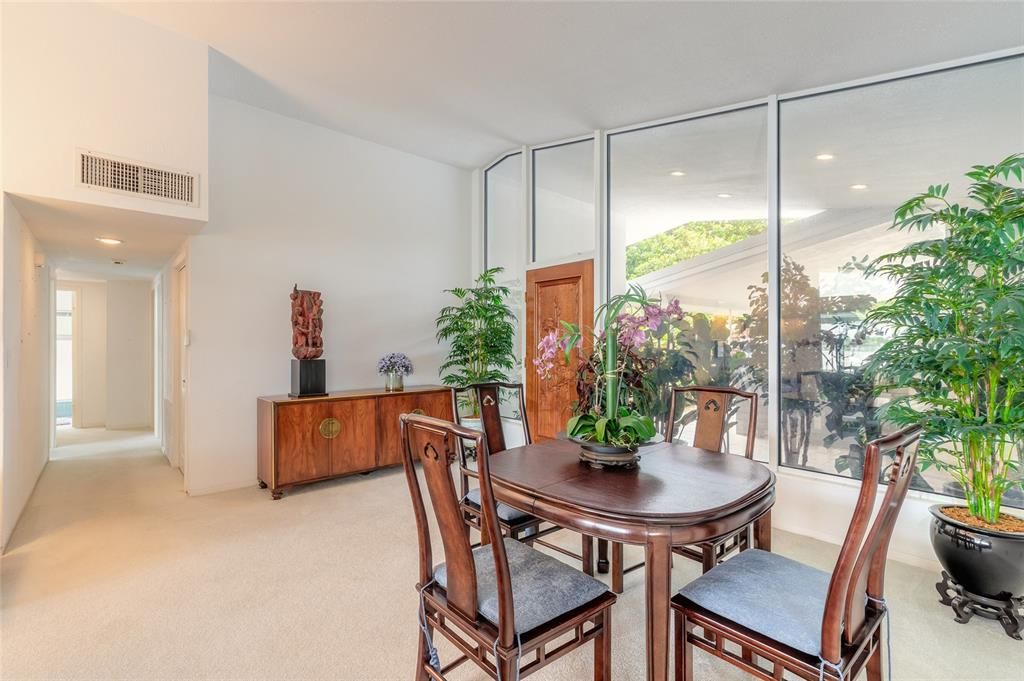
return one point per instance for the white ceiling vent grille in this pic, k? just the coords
(128, 177)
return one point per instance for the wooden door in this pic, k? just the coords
(354, 448)
(303, 452)
(437, 404)
(555, 294)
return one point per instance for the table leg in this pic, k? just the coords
(602, 556)
(763, 532)
(658, 554)
(587, 554)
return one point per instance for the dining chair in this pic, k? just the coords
(787, 617)
(487, 398)
(712, 411)
(505, 606)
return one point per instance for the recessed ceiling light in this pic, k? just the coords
(858, 186)
(110, 241)
(724, 196)
(824, 157)
(117, 262)
(677, 173)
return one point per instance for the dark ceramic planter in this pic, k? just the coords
(984, 562)
(599, 455)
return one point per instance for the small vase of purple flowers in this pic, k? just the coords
(394, 367)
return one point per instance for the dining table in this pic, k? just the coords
(676, 495)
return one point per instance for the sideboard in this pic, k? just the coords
(307, 439)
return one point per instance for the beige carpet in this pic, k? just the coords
(113, 573)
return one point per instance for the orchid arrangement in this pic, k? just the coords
(394, 363)
(609, 412)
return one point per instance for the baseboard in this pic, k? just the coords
(215, 489)
(895, 554)
(4, 541)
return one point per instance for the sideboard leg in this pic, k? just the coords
(275, 494)
(263, 485)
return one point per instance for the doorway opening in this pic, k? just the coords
(63, 324)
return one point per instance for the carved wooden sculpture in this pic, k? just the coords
(307, 324)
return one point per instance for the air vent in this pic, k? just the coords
(128, 177)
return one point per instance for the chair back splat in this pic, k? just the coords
(437, 445)
(860, 568)
(715, 408)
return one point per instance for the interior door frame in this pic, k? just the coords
(578, 269)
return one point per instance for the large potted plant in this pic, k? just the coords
(609, 423)
(957, 325)
(481, 332)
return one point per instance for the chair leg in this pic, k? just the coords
(709, 556)
(421, 658)
(875, 665)
(507, 667)
(602, 556)
(603, 648)
(684, 653)
(617, 567)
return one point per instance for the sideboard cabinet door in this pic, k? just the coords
(390, 407)
(303, 453)
(355, 447)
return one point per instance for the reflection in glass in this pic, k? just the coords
(563, 201)
(847, 160)
(688, 210)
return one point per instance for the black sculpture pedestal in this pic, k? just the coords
(966, 605)
(309, 378)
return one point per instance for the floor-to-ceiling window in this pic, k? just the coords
(847, 160)
(689, 217)
(688, 211)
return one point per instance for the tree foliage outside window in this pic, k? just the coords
(685, 242)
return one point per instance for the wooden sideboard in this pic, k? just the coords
(306, 439)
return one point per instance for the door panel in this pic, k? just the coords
(437, 404)
(355, 446)
(298, 432)
(555, 294)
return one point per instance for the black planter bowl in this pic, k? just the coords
(601, 456)
(984, 562)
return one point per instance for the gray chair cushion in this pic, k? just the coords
(506, 513)
(542, 587)
(766, 593)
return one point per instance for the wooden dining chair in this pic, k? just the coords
(715, 410)
(786, 617)
(488, 398)
(504, 605)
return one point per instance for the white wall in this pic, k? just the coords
(26, 367)
(129, 354)
(378, 231)
(82, 76)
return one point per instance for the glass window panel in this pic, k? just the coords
(847, 160)
(504, 220)
(689, 213)
(563, 201)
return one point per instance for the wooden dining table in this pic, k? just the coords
(677, 495)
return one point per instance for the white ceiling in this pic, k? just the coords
(463, 82)
(67, 231)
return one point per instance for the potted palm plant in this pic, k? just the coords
(481, 332)
(957, 325)
(608, 425)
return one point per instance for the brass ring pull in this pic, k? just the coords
(329, 428)
(419, 412)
